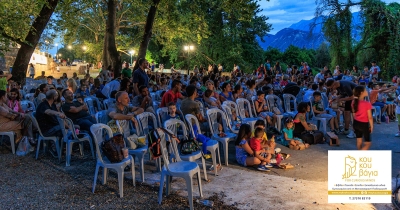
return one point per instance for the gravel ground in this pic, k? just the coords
(27, 183)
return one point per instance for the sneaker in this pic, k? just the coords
(262, 168)
(397, 134)
(346, 132)
(269, 165)
(351, 135)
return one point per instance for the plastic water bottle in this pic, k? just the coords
(278, 158)
(207, 203)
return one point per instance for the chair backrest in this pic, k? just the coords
(30, 96)
(242, 104)
(190, 120)
(174, 124)
(254, 98)
(201, 105)
(212, 116)
(229, 115)
(90, 105)
(35, 123)
(311, 107)
(62, 125)
(25, 105)
(287, 98)
(162, 113)
(102, 117)
(231, 104)
(143, 121)
(325, 100)
(99, 132)
(110, 102)
(164, 150)
(273, 101)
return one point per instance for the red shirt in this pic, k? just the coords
(255, 144)
(362, 114)
(169, 97)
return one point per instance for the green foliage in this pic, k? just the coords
(322, 57)
(292, 56)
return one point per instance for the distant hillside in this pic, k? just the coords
(298, 34)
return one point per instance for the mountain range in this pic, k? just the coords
(298, 34)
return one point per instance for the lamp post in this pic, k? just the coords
(188, 48)
(131, 52)
(56, 51)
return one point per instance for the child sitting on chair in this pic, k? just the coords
(172, 112)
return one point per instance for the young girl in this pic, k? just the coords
(238, 92)
(244, 154)
(363, 123)
(291, 141)
(13, 100)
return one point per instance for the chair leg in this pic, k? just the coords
(189, 186)
(214, 160)
(95, 177)
(38, 148)
(168, 188)
(105, 175)
(199, 183)
(132, 171)
(59, 150)
(68, 155)
(91, 148)
(141, 163)
(160, 191)
(204, 168)
(225, 147)
(81, 148)
(121, 182)
(12, 142)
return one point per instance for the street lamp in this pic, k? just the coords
(59, 55)
(56, 51)
(69, 47)
(188, 48)
(131, 52)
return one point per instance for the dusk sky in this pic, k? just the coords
(283, 13)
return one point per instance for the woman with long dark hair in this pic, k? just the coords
(363, 123)
(244, 153)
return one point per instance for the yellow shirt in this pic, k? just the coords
(264, 138)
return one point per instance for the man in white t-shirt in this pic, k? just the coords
(374, 70)
(320, 76)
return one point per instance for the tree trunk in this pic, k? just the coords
(115, 58)
(106, 55)
(148, 28)
(31, 40)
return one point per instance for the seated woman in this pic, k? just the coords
(214, 96)
(11, 120)
(226, 94)
(300, 123)
(244, 154)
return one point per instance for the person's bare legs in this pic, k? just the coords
(359, 143)
(384, 109)
(366, 146)
(332, 123)
(251, 161)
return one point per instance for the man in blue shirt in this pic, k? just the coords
(140, 77)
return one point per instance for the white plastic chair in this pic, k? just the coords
(242, 104)
(98, 135)
(73, 138)
(287, 100)
(229, 117)
(270, 99)
(90, 105)
(173, 125)
(102, 117)
(41, 138)
(144, 130)
(184, 169)
(11, 136)
(212, 145)
(320, 120)
(110, 102)
(212, 115)
(162, 114)
(30, 96)
(124, 128)
(25, 105)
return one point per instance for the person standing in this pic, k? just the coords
(126, 72)
(374, 71)
(363, 123)
(140, 77)
(31, 71)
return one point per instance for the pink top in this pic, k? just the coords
(15, 106)
(362, 114)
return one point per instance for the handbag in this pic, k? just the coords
(23, 147)
(189, 146)
(112, 148)
(131, 141)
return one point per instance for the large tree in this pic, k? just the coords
(25, 31)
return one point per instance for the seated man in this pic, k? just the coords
(46, 116)
(77, 111)
(173, 94)
(144, 100)
(190, 106)
(122, 110)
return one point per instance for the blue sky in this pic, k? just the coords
(283, 13)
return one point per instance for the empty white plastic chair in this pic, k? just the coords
(229, 116)
(70, 137)
(243, 106)
(98, 135)
(212, 145)
(288, 99)
(90, 105)
(173, 125)
(11, 136)
(102, 117)
(183, 169)
(212, 116)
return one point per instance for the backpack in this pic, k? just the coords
(154, 144)
(188, 146)
(112, 148)
(313, 137)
